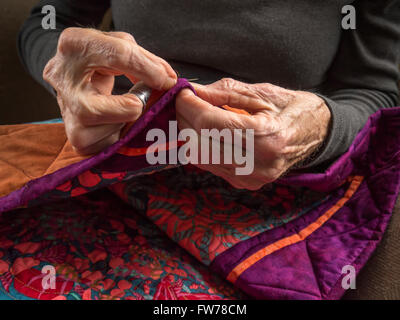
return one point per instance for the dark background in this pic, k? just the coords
(23, 100)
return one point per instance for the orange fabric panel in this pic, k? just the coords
(66, 157)
(29, 151)
(304, 233)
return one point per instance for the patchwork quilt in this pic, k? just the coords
(111, 226)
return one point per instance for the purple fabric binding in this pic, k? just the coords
(312, 269)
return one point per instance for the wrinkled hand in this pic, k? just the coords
(82, 72)
(288, 125)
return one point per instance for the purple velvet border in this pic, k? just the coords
(348, 164)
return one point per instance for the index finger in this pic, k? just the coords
(129, 58)
(202, 115)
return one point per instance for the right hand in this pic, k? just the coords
(82, 72)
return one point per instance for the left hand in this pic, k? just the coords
(288, 125)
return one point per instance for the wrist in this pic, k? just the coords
(322, 132)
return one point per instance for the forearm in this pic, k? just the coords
(36, 45)
(350, 110)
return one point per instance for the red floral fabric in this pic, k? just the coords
(100, 248)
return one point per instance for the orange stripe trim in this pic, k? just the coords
(133, 152)
(236, 110)
(304, 233)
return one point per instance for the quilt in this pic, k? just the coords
(112, 226)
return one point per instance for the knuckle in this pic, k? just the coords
(74, 135)
(67, 39)
(132, 106)
(265, 87)
(51, 74)
(227, 83)
(48, 71)
(82, 113)
(124, 48)
(76, 141)
(126, 36)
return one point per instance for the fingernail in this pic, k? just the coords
(170, 83)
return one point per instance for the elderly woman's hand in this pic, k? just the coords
(288, 125)
(82, 72)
